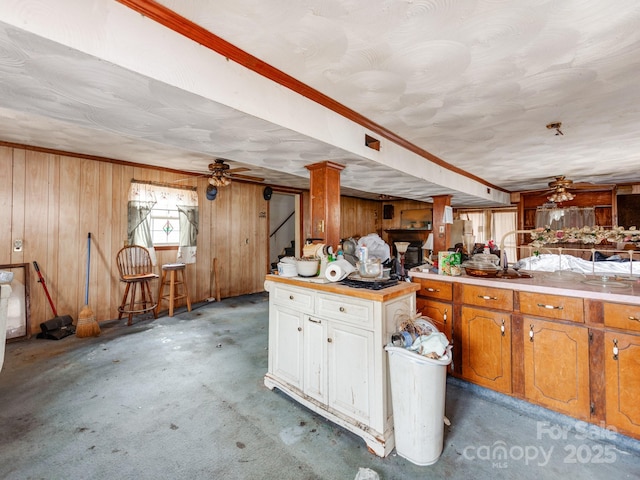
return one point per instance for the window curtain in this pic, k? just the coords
(142, 198)
(188, 217)
(502, 223)
(561, 218)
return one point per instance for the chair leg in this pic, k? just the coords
(186, 289)
(132, 303)
(160, 291)
(152, 306)
(124, 301)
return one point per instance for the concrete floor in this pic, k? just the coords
(183, 397)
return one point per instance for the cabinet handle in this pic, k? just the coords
(531, 332)
(314, 320)
(342, 309)
(330, 340)
(550, 307)
(433, 289)
(502, 328)
(487, 297)
(290, 297)
(634, 319)
(444, 317)
(615, 349)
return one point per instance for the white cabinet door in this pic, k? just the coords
(285, 345)
(350, 360)
(315, 358)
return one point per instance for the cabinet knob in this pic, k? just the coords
(299, 329)
(330, 340)
(342, 309)
(531, 333)
(290, 297)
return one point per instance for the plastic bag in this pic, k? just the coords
(376, 247)
(367, 474)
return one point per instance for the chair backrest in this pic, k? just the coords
(134, 260)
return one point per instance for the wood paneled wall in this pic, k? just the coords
(52, 201)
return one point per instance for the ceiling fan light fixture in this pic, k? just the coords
(560, 195)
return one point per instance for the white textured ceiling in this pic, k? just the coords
(472, 82)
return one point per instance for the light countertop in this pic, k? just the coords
(585, 286)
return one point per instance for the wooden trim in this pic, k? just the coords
(164, 184)
(191, 30)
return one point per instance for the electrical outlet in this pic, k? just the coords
(17, 245)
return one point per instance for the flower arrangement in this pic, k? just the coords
(594, 235)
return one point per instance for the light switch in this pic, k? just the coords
(441, 229)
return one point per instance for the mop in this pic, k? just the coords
(87, 325)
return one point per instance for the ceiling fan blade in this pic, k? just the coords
(246, 177)
(237, 169)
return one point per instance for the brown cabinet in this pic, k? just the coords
(486, 348)
(433, 300)
(556, 366)
(552, 306)
(622, 373)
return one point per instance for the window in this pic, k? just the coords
(493, 225)
(165, 225)
(163, 215)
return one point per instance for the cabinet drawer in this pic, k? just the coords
(435, 289)
(293, 297)
(620, 315)
(494, 298)
(552, 306)
(351, 310)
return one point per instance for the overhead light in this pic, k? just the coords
(560, 195)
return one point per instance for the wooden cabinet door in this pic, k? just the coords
(486, 348)
(315, 359)
(622, 372)
(439, 312)
(285, 344)
(556, 366)
(350, 352)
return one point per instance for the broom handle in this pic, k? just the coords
(86, 288)
(46, 290)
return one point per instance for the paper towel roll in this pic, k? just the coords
(338, 270)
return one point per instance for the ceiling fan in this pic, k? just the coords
(222, 174)
(562, 187)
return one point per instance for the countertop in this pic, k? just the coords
(614, 290)
(320, 284)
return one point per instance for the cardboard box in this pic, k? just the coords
(449, 263)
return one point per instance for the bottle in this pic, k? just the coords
(402, 339)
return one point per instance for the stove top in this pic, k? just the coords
(370, 283)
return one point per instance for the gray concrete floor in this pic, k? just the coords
(183, 397)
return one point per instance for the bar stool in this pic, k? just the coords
(172, 269)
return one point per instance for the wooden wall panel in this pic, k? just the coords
(55, 200)
(6, 201)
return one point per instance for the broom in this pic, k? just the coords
(87, 325)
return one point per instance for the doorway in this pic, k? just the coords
(284, 226)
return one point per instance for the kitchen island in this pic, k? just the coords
(566, 342)
(326, 350)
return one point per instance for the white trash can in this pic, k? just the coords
(418, 386)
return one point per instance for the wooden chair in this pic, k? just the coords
(134, 265)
